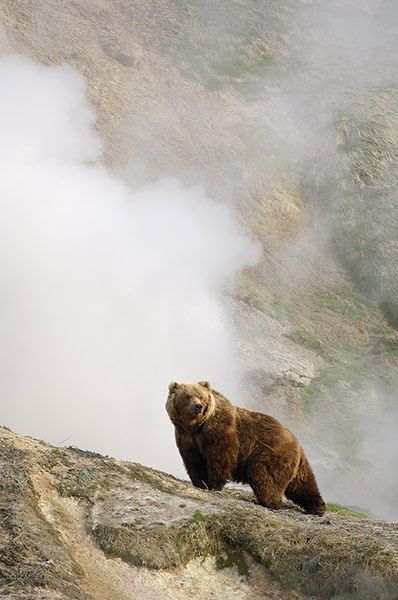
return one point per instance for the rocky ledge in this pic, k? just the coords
(75, 525)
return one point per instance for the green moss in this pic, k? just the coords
(230, 558)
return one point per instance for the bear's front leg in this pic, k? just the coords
(194, 463)
(196, 469)
(221, 455)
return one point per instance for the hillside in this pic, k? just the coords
(79, 526)
(296, 132)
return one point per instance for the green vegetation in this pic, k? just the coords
(390, 310)
(349, 307)
(159, 546)
(247, 61)
(79, 484)
(345, 511)
(387, 346)
(232, 558)
(245, 64)
(352, 372)
(156, 547)
(198, 517)
(358, 252)
(282, 309)
(391, 348)
(307, 339)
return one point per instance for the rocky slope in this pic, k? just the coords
(294, 129)
(75, 525)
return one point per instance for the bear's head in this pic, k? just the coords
(189, 405)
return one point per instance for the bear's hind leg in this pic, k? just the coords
(313, 504)
(303, 490)
(268, 493)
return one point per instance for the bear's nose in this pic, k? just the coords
(198, 408)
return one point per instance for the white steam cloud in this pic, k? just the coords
(106, 294)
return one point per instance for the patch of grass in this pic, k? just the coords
(386, 345)
(390, 311)
(52, 459)
(80, 483)
(347, 307)
(391, 348)
(353, 372)
(86, 453)
(282, 309)
(159, 546)
(361, 300)
(248, 62)
(249, 291)
(345, 351)
(320, 562)
(307, 339)
(345, 511)
(198, 517)
(155, 547)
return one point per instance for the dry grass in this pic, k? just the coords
(31, 554)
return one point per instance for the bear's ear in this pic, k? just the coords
(205, 384)
(172, 386)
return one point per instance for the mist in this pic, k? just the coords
(106, 294)
(338, 107)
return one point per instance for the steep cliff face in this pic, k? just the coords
(287, 112)
(77, 525)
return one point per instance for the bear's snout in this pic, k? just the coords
(198, 408)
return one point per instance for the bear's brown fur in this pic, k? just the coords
(220, 442)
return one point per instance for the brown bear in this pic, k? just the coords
(220, 442)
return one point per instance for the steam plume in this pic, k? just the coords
(106, 294)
